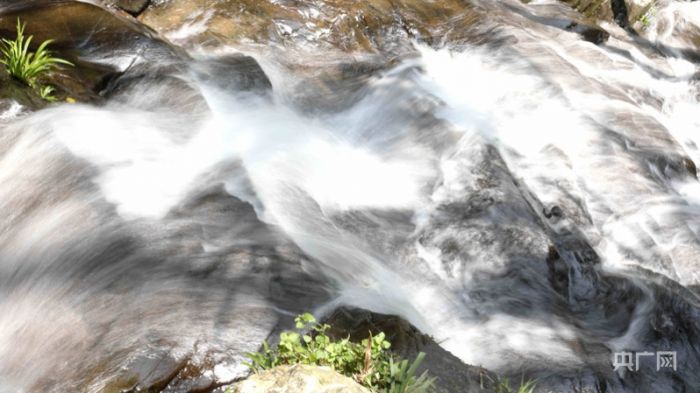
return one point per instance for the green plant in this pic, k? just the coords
(403, 378)
(46, 93)
(368, 362)
(24, 65)
(503, 386)
(648, 16)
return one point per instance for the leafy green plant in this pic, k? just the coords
(403, 377)
(24, 65)
(648, 16)
(368, 362)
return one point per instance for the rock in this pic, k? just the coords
(562, 17)
(622, 12)
(236, 72)
(676, 32)
(160, 87)
(299, 379)
(149, 372)
(13, 90)
(451, 374)
(600, 9)
(348, 26)
(690, 166)
(134, 7)
(99, 43)
(589, 33)
(336, 86)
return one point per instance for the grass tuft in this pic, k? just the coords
(24, 65)
(504, 386)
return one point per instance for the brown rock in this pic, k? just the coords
(134, 7)
(99, 43)
(347, 25)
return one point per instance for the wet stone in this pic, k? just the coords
(134, 7)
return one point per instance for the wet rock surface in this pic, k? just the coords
(592, 34)
(236, 72)
(99, 43)
(232, 289)
(337, 24)
(113, 57)
(12, 90)
(134, 7)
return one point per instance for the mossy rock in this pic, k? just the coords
(11, 89)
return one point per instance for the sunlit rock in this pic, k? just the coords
(340, 24)
(100, 44)
(299, 379)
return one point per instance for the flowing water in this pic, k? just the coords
(525, 196)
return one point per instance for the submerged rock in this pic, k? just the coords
(299, 379)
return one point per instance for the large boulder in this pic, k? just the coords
(299, 379)
(100, 43)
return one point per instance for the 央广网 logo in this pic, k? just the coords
(632, 360)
